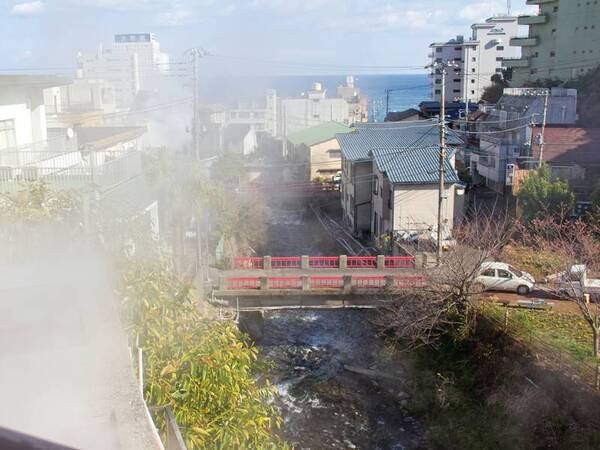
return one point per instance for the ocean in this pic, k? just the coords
(230, 91)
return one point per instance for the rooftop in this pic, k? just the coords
(319, 133)
(569, 145)
(358, 145)
(413, 166)
(37, 81)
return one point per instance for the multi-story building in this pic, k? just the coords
(506, 137)
(357, 184)
(563, 41)
(476, 59)
(133, 63)
(310, 109)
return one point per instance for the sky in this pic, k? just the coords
(362, 35)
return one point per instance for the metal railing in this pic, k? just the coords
(100, 171)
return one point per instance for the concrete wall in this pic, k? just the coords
(416, 207)
(296, 114)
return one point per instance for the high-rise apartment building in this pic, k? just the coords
(133, 63)
(475, 59)
(563, 41)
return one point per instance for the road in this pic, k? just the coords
(65, 372)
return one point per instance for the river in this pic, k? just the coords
(325, 406)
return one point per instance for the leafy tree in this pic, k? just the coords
(540, 195)
(205, 370)
(493, 92)
(35, 216)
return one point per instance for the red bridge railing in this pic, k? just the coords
(314, 282)
(399, 262)
(286, 262)
(284, 282)
(362, 262)
(334, 282)
(324, 262)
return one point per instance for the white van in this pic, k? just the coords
(499, 276)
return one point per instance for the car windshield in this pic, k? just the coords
(515, 271)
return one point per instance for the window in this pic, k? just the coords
(8, 136)
(555, 9)
(438, 81)
(472, 92)
(456, 80)
(474, 60)
(500, 48)
(458, 49)
(473, 70)
(488, 273)
(375, 185)
(499, 58)
(472, 82)
(390, 197)
(335, 154)
(504, 274)
(438, 50)
(438, 91)
(456, 91)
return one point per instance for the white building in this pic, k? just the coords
(477, 59)
(310, 109)
(134, 62)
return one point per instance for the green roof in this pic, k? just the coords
(319, 133)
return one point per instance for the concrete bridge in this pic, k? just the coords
(295, 282)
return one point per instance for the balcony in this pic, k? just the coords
(516, 62)
(71, 170)
(539, 2)
(524, 41)
(533, 20)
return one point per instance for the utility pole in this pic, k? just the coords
(196, 53)
(441, 68)
(544, 120)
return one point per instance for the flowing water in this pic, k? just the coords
(324, 405)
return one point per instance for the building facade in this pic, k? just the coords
(133, 63)
(477, 59)
(563, 41)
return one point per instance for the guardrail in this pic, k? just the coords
(315, 283)
(323, 262)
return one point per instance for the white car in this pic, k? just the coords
(499, 276)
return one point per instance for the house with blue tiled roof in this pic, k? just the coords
(405, 191)
(359, 171)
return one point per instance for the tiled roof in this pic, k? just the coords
(356, 146)
(419, 166)
(568, 145)
(319, 133)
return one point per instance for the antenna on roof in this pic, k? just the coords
(508, 6)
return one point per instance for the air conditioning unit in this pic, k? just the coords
(510, 174)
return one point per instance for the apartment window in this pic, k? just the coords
(438, 91)
(472, 82)
(456, 70)
(458, 49)
(438, 81)
(438, 50)
(457, 80)
(473, 70)
(499, 58)
(456, 91)
(472, 92)
(500, 48)
(335, 153)
(555, 9)
(390, 197)
(474, 60)
(8, 136)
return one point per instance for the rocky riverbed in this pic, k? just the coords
(324, 405)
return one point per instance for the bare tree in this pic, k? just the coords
(444, 304)
(577, 245)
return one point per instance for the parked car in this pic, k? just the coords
(574, 282)
(499, 276)
(337, 178)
